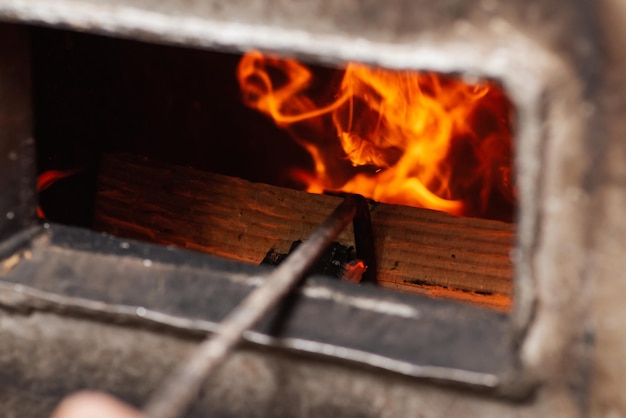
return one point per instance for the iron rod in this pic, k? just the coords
(364, 240)
(172, 398)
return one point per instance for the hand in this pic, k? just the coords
(94, 405)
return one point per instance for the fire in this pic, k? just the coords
(403, 137)
(47, 179)
(353, 271)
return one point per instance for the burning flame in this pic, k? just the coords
(403, 137)
(47, 179)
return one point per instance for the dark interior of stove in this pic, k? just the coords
(96, 94)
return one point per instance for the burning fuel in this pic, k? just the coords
(404, 137)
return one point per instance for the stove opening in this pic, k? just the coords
(214, 151)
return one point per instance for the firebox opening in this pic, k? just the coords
(155, 114)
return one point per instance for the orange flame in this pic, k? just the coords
(403, 137)
(47, 179)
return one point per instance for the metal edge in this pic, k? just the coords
(27, 299)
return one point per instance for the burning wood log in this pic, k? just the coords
(418, 250)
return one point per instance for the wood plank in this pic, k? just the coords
(418, 250)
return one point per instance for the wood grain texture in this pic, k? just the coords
(418, 250)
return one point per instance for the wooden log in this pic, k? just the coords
(418, 250)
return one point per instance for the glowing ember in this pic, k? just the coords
(404, 137)
(353, 272)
